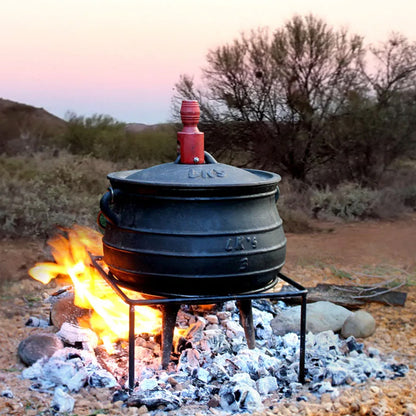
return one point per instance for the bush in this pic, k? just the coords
(40, 192)
(105, 138)
(348, 201)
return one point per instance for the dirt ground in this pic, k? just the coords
(332, 255)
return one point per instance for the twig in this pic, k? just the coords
(379, 293)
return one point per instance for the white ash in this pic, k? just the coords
(217, 363)
(73, 335)
(62, 402)
(67, 370)
(214, 365)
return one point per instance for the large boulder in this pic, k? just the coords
(320, 316)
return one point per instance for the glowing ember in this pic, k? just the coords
(109, 319)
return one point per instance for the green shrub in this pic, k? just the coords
(105, 138)
(42, 192)
(348, 201)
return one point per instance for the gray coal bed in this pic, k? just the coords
(213, 366)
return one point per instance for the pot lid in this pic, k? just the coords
(194, 168)
(207, 175)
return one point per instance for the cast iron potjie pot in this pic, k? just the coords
(181, 229)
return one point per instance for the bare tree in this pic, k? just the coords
(275, 92)
(395, 68)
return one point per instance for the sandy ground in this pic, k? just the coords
(329, 256)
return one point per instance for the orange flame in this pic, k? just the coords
(109, 319)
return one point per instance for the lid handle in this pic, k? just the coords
(190, 139)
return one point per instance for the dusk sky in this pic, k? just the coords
(123, 57)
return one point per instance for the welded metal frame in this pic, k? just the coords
(173, 304)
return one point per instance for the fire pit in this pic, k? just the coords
(194, 231)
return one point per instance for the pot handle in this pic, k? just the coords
(105, 202)
(207, 156)
(277, 194)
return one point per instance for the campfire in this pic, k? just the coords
(214, 367)
(109, 317)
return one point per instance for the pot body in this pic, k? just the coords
(200, 241)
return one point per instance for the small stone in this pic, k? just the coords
(37, 346)
(412, 341)
(172, 381)
(223, 315)
(143, 410)
(212, 319)
(375, 389)
(359, 324)
(214, 401)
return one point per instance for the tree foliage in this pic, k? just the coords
(301, 98)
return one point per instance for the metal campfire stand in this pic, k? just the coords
(170, 307)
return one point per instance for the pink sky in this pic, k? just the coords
(123, 57)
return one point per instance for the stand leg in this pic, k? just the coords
(302, 340)
(246, 319)
(131, 348)
(170, 312)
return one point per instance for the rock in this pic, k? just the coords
(37, 346)
(320, 316)
(359, 324)
(64, 310)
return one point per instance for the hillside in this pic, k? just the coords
(24, 127)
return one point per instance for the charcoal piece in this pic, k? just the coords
(399, 370)
(301, 399)
(264, 305)
(7, 393)
(337, 374)
(36, 322)
(36, 346)
(102, 378)
(155, 400)
(120, 396)
(240, 397)
(353, 345)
